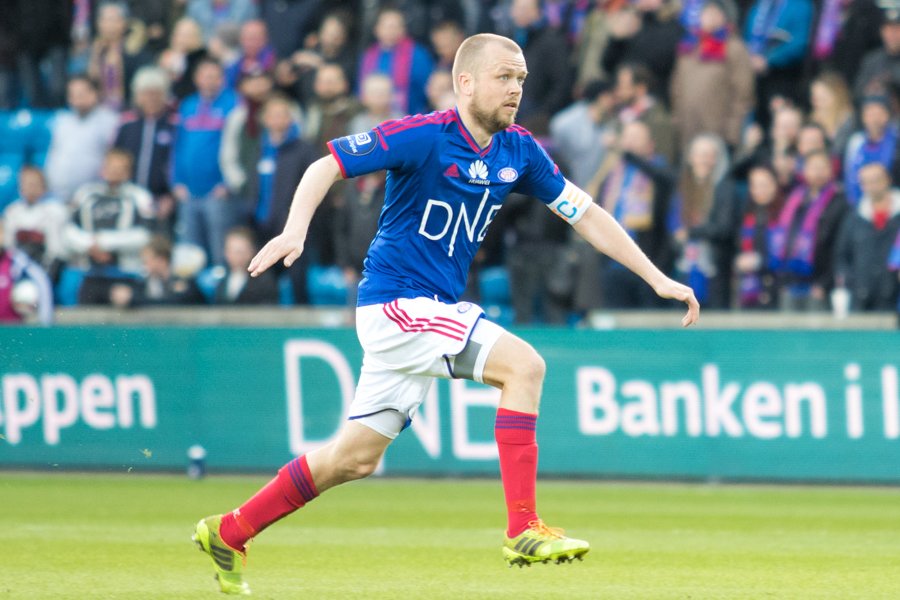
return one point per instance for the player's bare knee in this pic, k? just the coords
(352, 467)
(529, 368)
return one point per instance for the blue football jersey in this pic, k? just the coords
(442, 193)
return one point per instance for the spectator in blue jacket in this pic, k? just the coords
(777, 35)
(206, 212)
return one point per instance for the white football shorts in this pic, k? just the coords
(406, 344)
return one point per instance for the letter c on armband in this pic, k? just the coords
(571, 204)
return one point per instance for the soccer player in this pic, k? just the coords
(448, 173)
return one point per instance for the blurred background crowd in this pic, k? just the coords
(749, 147)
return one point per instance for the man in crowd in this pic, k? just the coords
(865, 241)
(147, 132)
(108, 228)
(80, 138)
(205, 211)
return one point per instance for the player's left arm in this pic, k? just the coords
(543, 179)
(602, 231)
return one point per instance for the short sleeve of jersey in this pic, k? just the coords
(542, 179)
(401, 145)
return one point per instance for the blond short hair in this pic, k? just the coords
(471, 52)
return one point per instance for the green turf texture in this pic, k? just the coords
(128, 536)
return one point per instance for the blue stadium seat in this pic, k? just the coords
(37, 158)
(286, 291)
(501, 314)
(327, 286)
(14, 131)
(9, 175)
(493, 285)
(68, 286)
(208, 280)
(39, 133)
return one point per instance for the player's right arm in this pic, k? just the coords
(400, 145)
(310, 192)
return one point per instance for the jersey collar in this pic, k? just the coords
(471, 140)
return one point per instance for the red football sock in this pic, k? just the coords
(516, 441)
(292, 488)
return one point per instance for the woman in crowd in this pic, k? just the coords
(801, 248)
(707, 214)
(832, 108)
(755, 280)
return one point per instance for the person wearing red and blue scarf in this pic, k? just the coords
(396, 54)
(692, 21)
(257, 55)
(801, 244)
(713, 84)
(756, 285)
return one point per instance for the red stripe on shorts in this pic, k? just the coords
(414, 327)
(403, 313)
(461, 329)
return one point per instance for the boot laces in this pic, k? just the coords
(542, 528)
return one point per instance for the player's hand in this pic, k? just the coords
(677, 291)
(284, 246)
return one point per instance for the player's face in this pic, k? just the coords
(498, 89)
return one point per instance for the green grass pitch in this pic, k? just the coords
(128, 536)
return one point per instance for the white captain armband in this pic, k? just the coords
(571, 204)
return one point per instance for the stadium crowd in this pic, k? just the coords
(750, 148)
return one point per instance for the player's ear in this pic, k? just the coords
(466, 83)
